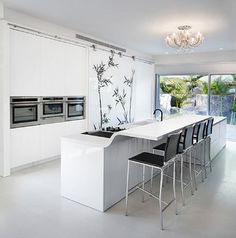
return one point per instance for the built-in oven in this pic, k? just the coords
(75, 108)
(24, 111)
(52, 109)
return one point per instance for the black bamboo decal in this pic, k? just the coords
(129, 82)
(120, 98)
(103, 82)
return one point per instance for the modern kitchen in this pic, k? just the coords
(110, 132)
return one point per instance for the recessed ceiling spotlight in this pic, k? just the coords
(166, 53)
(220, 48)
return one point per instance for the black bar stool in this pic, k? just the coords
(207, 137)
(161, 163)
(185, 147)
(198, 141)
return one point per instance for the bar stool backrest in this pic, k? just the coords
(188, 137)
(172, 146)
(201, 131)
(209, 126)
(196, 131)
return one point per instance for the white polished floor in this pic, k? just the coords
(31, 207)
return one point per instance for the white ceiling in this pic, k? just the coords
(140, 24)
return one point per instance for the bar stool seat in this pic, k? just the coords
(148, 159)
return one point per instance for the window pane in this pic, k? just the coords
(184, 94)
(222, 95)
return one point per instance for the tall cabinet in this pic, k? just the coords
(42, 66)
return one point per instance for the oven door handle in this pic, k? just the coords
(24, 104)
(59, 115)
(48, 103)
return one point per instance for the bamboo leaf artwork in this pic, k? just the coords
(120, 98)
(129, 82)
(103, 82)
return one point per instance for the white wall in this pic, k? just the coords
(36, 23)
(220, 62)
(1, 10)
(4, 100)
(144, 97)
(202, 68)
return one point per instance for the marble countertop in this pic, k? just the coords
(148, 129)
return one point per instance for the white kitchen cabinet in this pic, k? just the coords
(53, 68)
(75, 68)
(25, 64)
(25, 145)
(218, 137)
(50, 139)
(37, 143)
(51, 135)
(46, 67)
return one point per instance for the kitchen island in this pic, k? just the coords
(93, 169)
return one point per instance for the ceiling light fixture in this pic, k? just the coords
(184, 39)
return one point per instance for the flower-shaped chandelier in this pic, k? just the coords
(184, 39)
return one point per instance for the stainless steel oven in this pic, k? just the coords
(75, 108)
(52, 109)
(24, 111)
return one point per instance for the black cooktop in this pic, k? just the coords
(113, 129)
(105, 132)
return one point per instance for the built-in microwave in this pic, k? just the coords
(75, 108)
(52, 109)
(24, 111)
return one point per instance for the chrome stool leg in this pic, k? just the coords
(127, 191)
(174, 192)
(181, 180)
(151, 178)
(160, 201)
(194, 168)
(204, 157)
(209, 153)
(190, 172)
(143, 184)
(201, 164)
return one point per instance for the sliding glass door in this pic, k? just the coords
(183, 94)
(223, 100)
(222, 95)
(199, 94)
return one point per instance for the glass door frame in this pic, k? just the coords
(158, 91)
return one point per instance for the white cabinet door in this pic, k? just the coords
(25, 145)
(25, 64)
(75, 62)
(53, 68)
(144, 91)
(223, 130)
(50, 135)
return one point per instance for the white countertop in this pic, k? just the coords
(147, 129)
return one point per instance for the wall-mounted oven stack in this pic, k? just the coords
(24, 111)
(30, 111)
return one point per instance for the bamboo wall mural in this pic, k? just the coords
(102, 82)
(112, 90)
